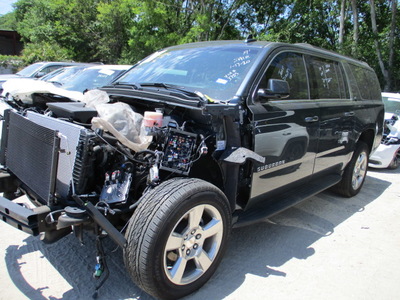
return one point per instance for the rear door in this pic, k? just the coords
(337, 116)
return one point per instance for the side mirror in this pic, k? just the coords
(39, 74)
(276, 89)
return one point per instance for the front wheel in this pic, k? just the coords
(177, 236)
(355, 172)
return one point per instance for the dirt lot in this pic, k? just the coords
(327, 247)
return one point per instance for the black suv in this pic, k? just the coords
(195, 139)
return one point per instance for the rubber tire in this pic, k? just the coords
(154, 219)
(344, 187)
(394, 164)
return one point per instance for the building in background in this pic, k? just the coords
(10, 42)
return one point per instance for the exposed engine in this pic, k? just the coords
(70, 150)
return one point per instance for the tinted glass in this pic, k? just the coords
(214, 71)
(49, 69)
(392, 104)
(289, 67)
(326, 80)
(62, 75)
(91, 79)
(30, 70)
(367, 82)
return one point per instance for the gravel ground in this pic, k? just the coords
(327, 247)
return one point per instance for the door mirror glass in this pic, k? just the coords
(40, 74)
(276, 89)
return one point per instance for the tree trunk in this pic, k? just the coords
(341, 27)
(354, 48)
(384, 71)
(391, 43)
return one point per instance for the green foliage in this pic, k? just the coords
(70, 27)
(8, 21)
(11, 62)
(125, 31)
(44, 51)
(114, 19)
(303, 21)
(158, 24)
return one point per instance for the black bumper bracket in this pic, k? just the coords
(18, 216)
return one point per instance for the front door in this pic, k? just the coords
(285, 130)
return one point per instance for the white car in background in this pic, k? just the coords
(25, 90)
(387, 155)
(36, 70)
(68, 84)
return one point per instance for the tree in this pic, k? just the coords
(159, 24)
(392, 42)
(44, 52)
(114, 20)
(377, 46)
(354, 48)
(8, 22)
(342, 20)
(125, 31)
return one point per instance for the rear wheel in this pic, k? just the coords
(355, 173)
(177, 237)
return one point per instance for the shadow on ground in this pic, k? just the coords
(259, 250)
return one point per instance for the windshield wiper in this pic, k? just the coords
(179, 91)
(171, 87)
(136, 86)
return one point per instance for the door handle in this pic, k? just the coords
(311, 119)
(349, 114)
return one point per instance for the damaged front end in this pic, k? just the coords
(84, 168)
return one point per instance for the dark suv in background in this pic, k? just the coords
(195, 139)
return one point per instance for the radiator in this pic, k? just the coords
(41, 151)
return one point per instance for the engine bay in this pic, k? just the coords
(108, 155)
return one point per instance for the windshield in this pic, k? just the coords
(62, 75)
(90, 79)
(30, 70)
(392, 104)
(214, 71)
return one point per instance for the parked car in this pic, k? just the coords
(35, 70)
(388, 153)
(64, 85)
(62, 75)
(56, 77)
(189, 145)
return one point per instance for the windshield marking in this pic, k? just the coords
(221, 81)
(215, 71)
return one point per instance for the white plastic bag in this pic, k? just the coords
(93, 98)
(126, 125)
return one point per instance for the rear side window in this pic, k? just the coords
(291, 68)
(367, 82)
(326, 79)
(50, 69)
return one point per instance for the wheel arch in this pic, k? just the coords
(222, 175)
(368, 137)
(208, 170)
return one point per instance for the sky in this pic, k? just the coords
(5, 6)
